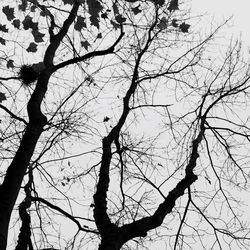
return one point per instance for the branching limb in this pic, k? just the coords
(11, 185)
(57, 38)
(108, 230)
(183, 219)
(119, 151)
(24, 238)
(13, 115)
(140, 227)
(90, 54)
(66, 214)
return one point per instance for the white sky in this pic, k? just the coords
(225, 8)
(222, 9)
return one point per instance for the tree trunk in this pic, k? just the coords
(14, 176)
(112, 241)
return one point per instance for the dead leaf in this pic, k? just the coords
(106, 119)
(10, 64)
(38, 36)
(3, 28)
(9, 12)
(115, 9)
(94, 21)
(2, 97)
(104, 15)
(95, 8)
(23, 5)
(16, 23)
(136, 10)
(32, 47)
(29, 24)
(80, 23)
(163, 24)
(174, 23)
(2, 41)
(85, 44)
(120, 19)
(184, 27)
(173, 5)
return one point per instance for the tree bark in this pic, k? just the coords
(112, 239)
(13, 179)
(12, 182)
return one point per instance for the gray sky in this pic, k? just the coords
(224, 8)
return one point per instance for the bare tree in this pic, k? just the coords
(121, 128)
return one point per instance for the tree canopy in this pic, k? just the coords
(123, 126)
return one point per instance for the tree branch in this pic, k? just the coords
(66, 214)
(14, 175)
(107, 229)
(140, 227)
(90, 54)
(13, 115)
(9, 78)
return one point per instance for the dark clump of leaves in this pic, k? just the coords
(106, 119)
(27, 75)
(174, 5)
(184, 27)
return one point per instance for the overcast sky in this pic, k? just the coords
(219, 8)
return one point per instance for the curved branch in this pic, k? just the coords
(9, 78)
(55, 40)
(14, 175)
(140, 227)
(13, 115)
(90, 54)
(108, 230)
(183, 218)
(24, 237)
(119, 151)
(66, 214)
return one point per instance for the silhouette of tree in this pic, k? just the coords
(120, 128)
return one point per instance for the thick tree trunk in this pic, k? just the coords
(13, 179)
(110, 245)
(112, 240)
(3, 232)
